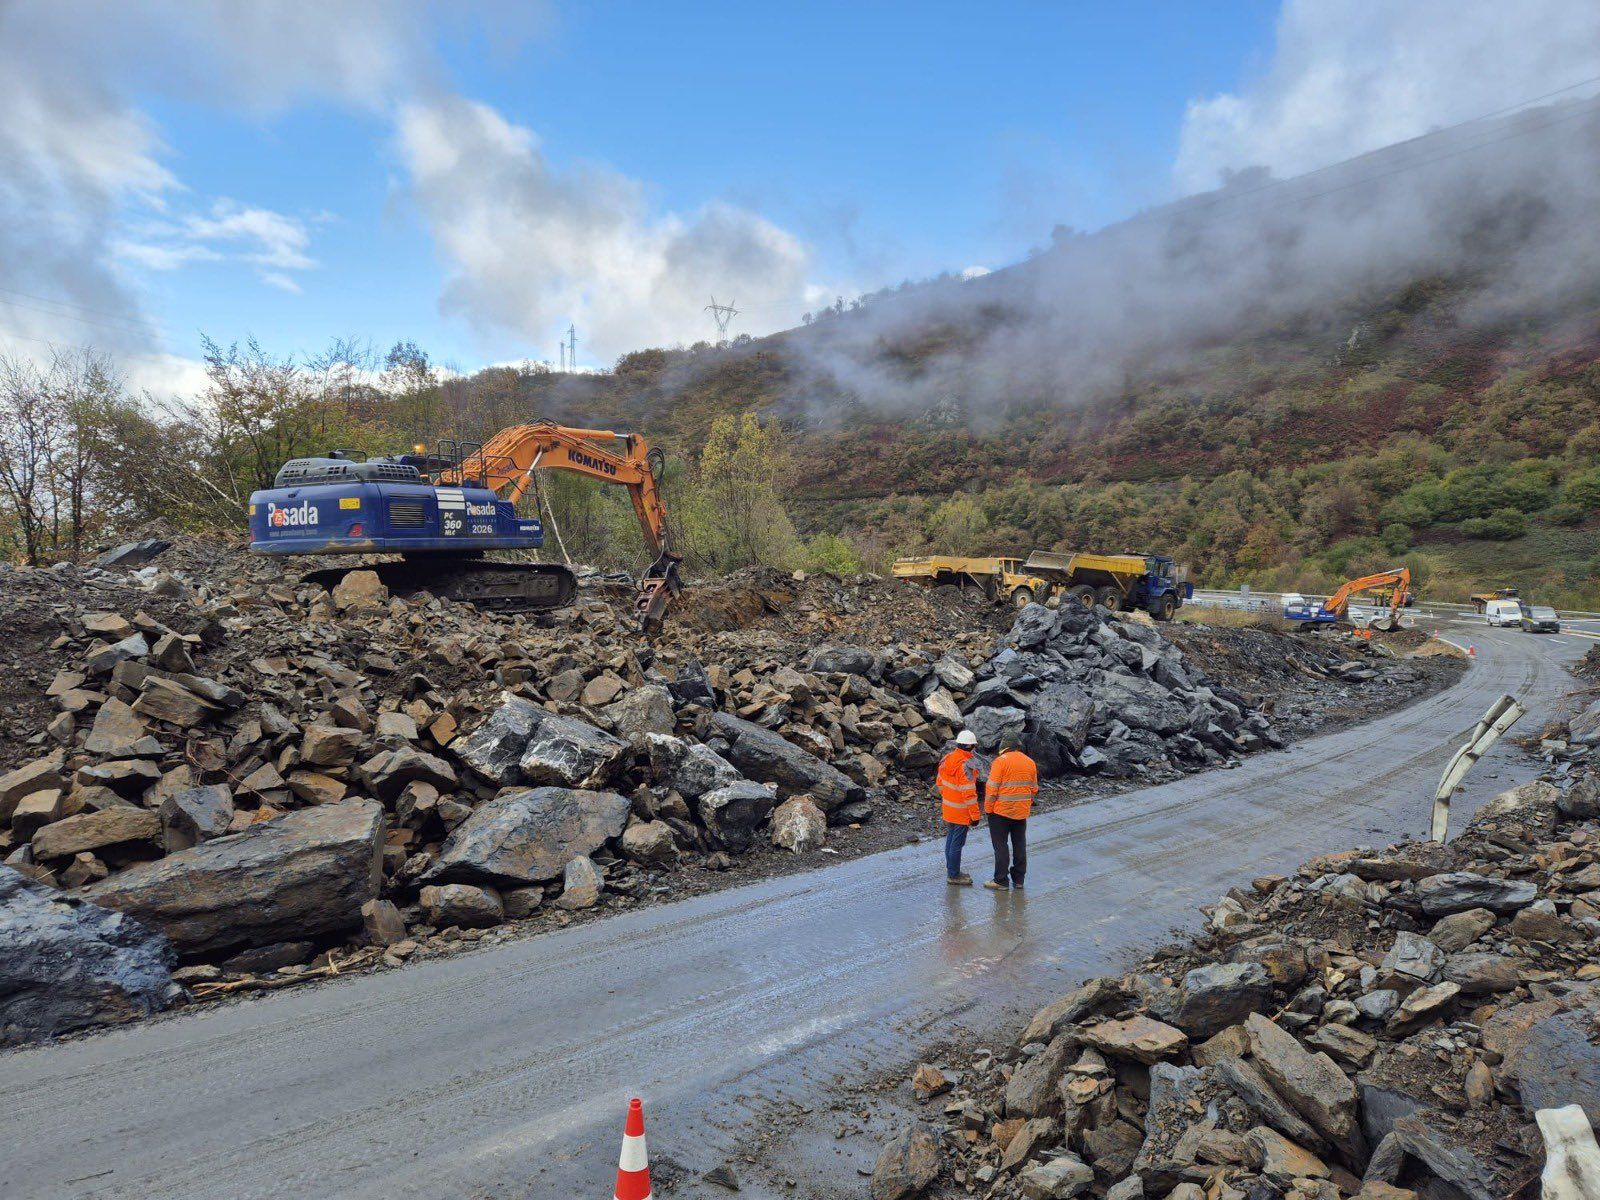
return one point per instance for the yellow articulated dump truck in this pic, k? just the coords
(1116, 581)
(994, 578)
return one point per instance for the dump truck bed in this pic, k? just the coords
(1067, 566)
(942, 564)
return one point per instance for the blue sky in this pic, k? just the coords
(897, 140)
(474, 176)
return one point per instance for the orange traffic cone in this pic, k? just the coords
(1472, 651)
(633, 1168)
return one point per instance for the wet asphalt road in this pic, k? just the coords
(506, 1072)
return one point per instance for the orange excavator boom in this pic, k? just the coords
(506, 463)
(1396, 582)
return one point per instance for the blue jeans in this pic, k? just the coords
(955, 837)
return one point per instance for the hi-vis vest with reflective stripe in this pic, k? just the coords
(1013, 783)
(958, 787)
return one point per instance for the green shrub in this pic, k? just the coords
(1499, 526)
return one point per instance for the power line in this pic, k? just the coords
(73, 304)
(125, 330)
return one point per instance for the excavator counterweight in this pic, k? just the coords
(442, 512)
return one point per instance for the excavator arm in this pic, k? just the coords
(1397, 582)
(507, 461)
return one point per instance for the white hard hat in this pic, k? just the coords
(966, 738)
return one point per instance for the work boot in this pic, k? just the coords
(961, 880)
(993, 886)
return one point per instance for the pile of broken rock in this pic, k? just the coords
(271, 774)
(1381, 1024)
(1087, 691)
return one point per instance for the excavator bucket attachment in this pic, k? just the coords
(657, 590)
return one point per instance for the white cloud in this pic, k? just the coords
(81, 163)
(164, 375)
(1348, 76)
(974, 272)
(271, 238)
(279, 280)
(529, 247)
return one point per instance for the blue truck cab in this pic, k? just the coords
(336, 505)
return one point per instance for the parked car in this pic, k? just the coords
(1503, 612)
(1541, 619)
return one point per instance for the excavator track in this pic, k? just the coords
(495, 586)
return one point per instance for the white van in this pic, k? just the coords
(1503, 612)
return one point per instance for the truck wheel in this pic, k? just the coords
(1109, 597)
(1163, 608)
(1081, 595)
(1022, 597)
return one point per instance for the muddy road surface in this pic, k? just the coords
(506, 1073)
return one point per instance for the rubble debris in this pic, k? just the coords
(164, 721)
(1257, 1059)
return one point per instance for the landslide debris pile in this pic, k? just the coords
(288, 782)
(1086, 691)
(1382, 1024)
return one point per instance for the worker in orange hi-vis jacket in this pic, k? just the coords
(959, 781)
(1013, 783)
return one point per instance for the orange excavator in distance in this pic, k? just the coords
(1394, 586)
(442, 511)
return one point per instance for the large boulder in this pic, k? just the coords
(769, 758)
(94, 830)
(1031, 1090)
(1034, 626)
(131, 554)
(906, 1165)
(461, 904)
(844, 660)
(689, 768)
(1548, 1053)
(297, 876)
(734, 815)
(388, 771)
(799, 825)
(523, 743)
(1312, 1083)
(40, 775)
(991, 725)
(529, 836)
(642, 710)
(194, 815)
(650, 843)
(1098, 995)
(1142, 703)
(493, 751)
(1457, 891)
(1058, 727)
(1221, 994)
(567, 752)
(65, 964)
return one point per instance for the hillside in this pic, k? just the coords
(1290, 457)
(1280, 383)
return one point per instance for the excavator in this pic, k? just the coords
(1393, 587)
(442, 511)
